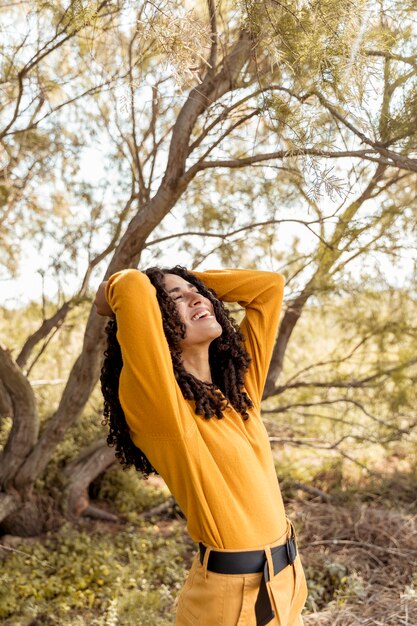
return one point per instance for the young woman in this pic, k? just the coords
(182, 385)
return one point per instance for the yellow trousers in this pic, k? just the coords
(210, 599)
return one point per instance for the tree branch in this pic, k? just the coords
(231, 233)
(25, 425)
(214, 35)
(325, 258)
(45, 328)
(349, 384)
(390, 157)
(92, 461)
(369, 155)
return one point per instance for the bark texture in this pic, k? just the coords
(6, 408)
(93, 461)
(25, 426)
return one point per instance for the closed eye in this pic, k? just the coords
(179, 296)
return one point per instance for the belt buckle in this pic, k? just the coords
(291, 550)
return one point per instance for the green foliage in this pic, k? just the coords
(326, 579)
(81, 15)
(308, 39)
(130, 576)
(129, 494)
(331, 583)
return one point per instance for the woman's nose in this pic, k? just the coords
(195, 298)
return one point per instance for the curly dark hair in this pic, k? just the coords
(228, 363)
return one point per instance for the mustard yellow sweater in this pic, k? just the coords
(220, 472)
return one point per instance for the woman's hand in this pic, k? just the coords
(102, 306)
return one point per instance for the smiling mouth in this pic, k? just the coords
(201, 315)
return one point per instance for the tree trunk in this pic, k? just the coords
(81, 472)
(81, 381)
(25, 426)
(6, 409)
(9, 502)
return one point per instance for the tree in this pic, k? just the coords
(280, 88)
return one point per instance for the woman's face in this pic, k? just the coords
(195, 311)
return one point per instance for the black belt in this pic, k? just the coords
(250, 562)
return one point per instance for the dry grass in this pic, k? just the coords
(378, 548)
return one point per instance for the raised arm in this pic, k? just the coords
(260, 293)
(148, 390)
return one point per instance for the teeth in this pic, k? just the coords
(200, 315)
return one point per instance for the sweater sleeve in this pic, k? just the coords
(148, 390)
(261, 294)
